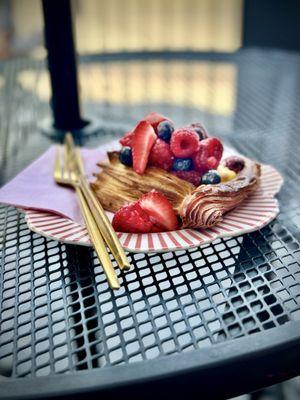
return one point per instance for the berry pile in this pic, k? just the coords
(187, 152)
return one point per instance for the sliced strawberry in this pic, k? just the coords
(132, 218)
(142, 143)
(126, 140)
(159, 209)
(154, 119)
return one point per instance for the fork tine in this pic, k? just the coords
(57, 165)
(79, 161)
(69, 142)
(71, 171)
(66, 163)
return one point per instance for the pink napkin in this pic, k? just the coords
(34, 187)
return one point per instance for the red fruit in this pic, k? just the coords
(209, 155)
(127, 139)
(154, 119)
(193, 177)
(132, 218)
(200, 160)
(214, 147)
(160, 210)
(212, 162)
(184, 142)
(142, 143)
(234, 163)
(161, 155)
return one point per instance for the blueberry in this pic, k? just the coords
(211, 177)
(125, 156)
(165, 130)
(201, 131)
(182, 164)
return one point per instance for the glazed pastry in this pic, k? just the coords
(198, 207)
(207, 204)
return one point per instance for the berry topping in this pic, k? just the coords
(161, 156)
(125, 156)
(234, 163)
(154, 119)
(211, 177)
(142, 143)
(214, 147)
(193, 177)
(202, 132)
(132, 218)
(184, 142)
(209, 155)
(127, 139)
(182, 164)
(200, 160)
(226, 173)
(165, 130)
(160, 210)
(212, 162)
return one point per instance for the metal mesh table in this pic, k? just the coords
(224, 318)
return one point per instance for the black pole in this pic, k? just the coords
(62, 65)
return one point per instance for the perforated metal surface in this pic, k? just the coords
(57, 313)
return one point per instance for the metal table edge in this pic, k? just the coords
(259, 346)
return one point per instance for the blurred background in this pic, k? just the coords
(200, 25)
(119, 26)
(119, 88)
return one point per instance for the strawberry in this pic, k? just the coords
(161, 156)
(132, 218)
(160, 210)
(154, 119)
(126, 140)
(142, 143)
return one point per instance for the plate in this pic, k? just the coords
(255, 212)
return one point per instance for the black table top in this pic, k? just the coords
(204, 314)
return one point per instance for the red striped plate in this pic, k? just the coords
(254, 213)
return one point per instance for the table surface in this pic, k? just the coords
(175, 312)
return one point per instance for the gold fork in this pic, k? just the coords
(65, 174)
(109, 235)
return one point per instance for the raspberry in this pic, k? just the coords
(212, 162)
(214, 147)
(209, 155)
(184, 142)
(161, 156)
(200, 160)
(193, 177)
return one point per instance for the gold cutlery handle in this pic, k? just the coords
(104, 225)
(97, 241)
